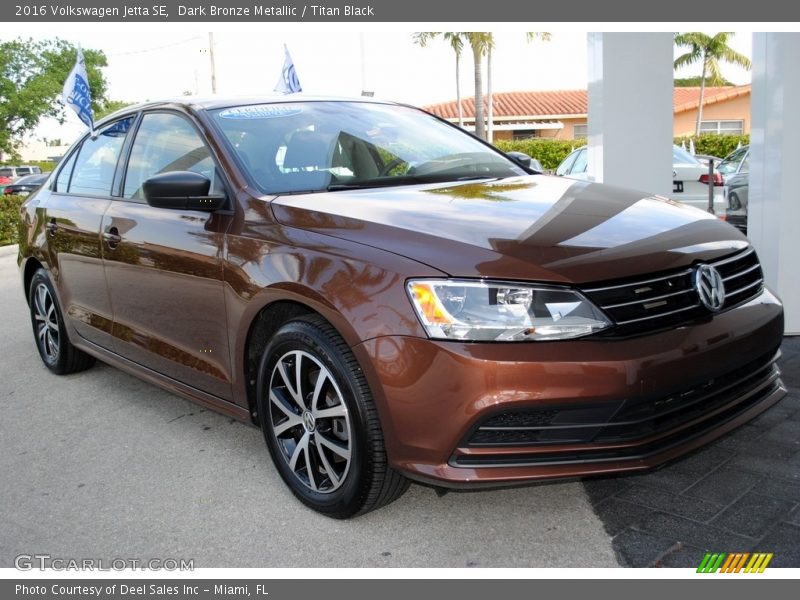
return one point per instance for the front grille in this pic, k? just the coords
(676, 416)
(648, 304)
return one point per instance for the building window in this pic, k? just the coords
(579, 131)
(722, 127)
(525, 134)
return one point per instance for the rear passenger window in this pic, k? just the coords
(62, 182)
(97, 158)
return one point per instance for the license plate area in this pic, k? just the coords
(677, 187)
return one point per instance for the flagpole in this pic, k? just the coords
(213, 64)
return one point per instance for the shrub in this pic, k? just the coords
(715, 145)
(44, 165)
(9, 218)
(549, 152)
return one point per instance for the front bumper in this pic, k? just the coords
(461, 415)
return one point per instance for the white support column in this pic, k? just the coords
(773, 207)
(630, 110)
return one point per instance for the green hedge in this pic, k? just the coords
(715, 145)
(548, 152)
(551, 152)
(44, 165)
(9, 218)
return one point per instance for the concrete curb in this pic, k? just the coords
(9, 250)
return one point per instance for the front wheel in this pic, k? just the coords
(320, 422)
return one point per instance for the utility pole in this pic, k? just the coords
(213, 66)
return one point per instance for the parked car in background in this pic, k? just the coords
(26, 185)
(689, 178)
(391, 299)
(735, 171)
(706, 158)
(15, 173)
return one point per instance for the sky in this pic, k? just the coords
(148, 63)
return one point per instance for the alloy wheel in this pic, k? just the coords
(46, 322)
(310, 421)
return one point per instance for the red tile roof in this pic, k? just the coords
(561, 103)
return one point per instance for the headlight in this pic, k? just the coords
(454, 309)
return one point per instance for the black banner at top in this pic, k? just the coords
(380, 11)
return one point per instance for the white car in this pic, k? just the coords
(689, 178)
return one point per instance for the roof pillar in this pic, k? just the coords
(773, 209)
(630, 110)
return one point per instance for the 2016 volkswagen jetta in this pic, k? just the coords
(392, 299)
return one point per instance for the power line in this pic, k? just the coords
(154, 48)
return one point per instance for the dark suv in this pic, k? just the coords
(390, 298)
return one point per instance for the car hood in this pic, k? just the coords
(533, 228)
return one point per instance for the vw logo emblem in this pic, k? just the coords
(309, 422)
(710, 287)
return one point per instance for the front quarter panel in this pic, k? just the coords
(360, 290)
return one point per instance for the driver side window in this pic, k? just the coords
(168, 142)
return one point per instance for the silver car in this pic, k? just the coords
(689, 178)
(735, 170)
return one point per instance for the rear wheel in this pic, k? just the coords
(320, 422)
(49, 332)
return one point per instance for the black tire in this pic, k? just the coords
(49, 331)
(361, 480)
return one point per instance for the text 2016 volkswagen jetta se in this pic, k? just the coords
(391, 299)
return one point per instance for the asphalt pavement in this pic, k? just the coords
(102, 465)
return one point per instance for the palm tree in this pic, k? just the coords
(710, 51)
(456, 40)
(531, 35)
(481, 43)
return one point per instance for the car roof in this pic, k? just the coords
(218, 102)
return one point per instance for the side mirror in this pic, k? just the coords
(181, 190)
(520, 158)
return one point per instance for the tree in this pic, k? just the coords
(481, 43)
(709, 51)
(32, 74)
(680, 82)
(531, 35)
(456, 40)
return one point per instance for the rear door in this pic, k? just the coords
(73, 211)
(164, 270)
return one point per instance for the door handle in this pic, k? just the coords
(51, 227)
(112, 237)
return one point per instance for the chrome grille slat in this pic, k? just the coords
(651, 303)
(724, 261)
(740, 273)
(642, 282)
(745, 288)
(664, 314)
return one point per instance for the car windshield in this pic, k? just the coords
(731, 162)
(682, 157)
(317, 146)
(6, 172)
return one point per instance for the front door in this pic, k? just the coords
(164, 268)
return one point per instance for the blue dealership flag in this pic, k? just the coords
(288, 83)
(76, 92)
